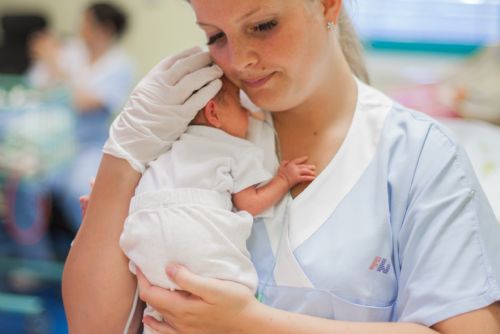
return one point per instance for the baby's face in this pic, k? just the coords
(234, 117)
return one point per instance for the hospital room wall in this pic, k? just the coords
(157, 27)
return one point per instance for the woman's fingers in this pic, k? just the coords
(151, 294)
(193, 83)
(84, 200)
(200, 98)
(167, 63)
(158, 326)
(197, 285)
(187, 65)
(167, 302)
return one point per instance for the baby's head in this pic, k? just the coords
(225, 111)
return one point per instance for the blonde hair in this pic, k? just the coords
(351, 46)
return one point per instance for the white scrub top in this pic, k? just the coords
(395, 228)
(110, 79)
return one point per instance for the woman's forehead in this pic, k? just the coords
(211, 12)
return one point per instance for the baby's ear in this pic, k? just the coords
(211, 114)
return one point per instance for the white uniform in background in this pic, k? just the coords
(109, 79)
(182, 210)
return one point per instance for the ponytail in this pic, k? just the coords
(351, 47)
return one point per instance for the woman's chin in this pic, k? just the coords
(267, 100)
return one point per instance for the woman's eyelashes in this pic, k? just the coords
(265, 26)
(214, 38)
(262, 27)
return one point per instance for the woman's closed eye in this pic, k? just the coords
(214, 38)
(262, 27)
(265, 26)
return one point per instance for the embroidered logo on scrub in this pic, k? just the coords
(380, 264)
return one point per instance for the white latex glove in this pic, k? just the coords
(161, 107)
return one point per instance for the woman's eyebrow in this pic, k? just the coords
(250, 13)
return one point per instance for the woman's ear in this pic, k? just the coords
(331, 10)
(212, 115)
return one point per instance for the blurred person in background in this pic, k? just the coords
(475, 89)
(99, 76)
(471, 91)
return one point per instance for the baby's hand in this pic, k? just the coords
(295, 171)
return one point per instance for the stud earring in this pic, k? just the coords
(330, 25)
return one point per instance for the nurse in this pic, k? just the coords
(99, 75)
(393, 236)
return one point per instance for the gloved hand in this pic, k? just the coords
(161, 107)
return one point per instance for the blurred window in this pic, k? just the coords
(428, 21)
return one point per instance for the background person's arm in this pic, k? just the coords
(98, 288)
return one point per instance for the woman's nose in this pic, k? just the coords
(242, 56)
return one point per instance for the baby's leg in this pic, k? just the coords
(147, 241)
(208, 241)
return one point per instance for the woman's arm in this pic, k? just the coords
(97, 286)
(267, 319)
(217, 306)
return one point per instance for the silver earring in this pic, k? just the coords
(330, 25)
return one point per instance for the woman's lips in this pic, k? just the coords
(259, 82)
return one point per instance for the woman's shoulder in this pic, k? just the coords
(403, 125)
(397, 130)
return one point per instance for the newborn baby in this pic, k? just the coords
(195, 204)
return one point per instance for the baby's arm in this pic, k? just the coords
(256, 199)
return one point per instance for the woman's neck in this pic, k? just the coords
(331, 106)
(318, 127)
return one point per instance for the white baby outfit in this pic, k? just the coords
(182, 210)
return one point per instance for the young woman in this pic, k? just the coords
(393, 236)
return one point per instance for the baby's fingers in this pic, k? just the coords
(307, 171)
(300, 160)
(306, 178)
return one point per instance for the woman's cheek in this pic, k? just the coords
(220, 57)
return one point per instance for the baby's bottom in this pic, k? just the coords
(207, 239)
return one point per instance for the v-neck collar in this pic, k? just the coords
(311, 208)
(308, 211)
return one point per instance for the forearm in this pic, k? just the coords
(97, 286)
(261, 318)
(263, 197)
